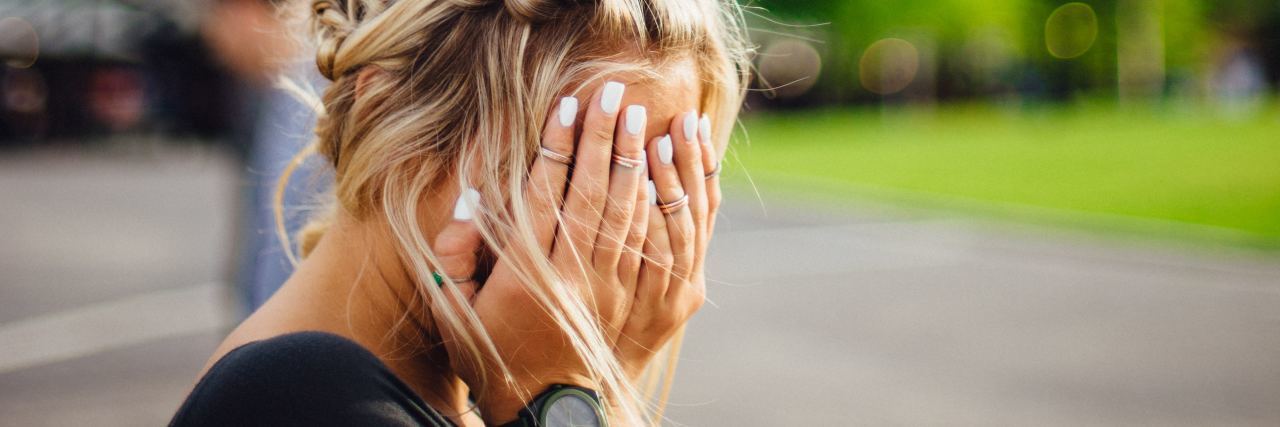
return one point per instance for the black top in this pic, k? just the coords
(303, 379)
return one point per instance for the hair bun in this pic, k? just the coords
(527, 10)
(537, 10)
(332, 25)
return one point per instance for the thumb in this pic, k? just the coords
(457, 246)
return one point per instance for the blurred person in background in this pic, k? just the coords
(549, 294)
(26, 97)
(249, 39)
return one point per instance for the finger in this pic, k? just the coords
(679, 222)
(457, 246)
(655, 269)
(712, 164)
(624, 183)
(633, 251)
(584, 203)
(651, 288)
(688, 159)
(547, 177)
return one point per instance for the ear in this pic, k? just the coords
(365, 77)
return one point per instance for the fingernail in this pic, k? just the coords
(653, 194)
(636, 118)
(568, 111)
(690, 126)
(612, 98)
(467, 202)
(665, 150)
(706, 128)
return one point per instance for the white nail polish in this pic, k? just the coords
(690, 126)
(653, 194)
(665, 151)
(636, 118)
(611, 100)
(568, 111)
(465, 210)
(706, 129)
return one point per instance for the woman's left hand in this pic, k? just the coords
(672, 283)
(580, 234)
(657, 259)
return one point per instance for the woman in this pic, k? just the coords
(564, 278)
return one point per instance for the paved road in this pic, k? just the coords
(109, 303)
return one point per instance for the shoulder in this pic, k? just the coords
(302, 378)
(295, 355)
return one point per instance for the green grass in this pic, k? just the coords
(1152, 170)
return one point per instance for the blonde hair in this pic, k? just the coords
(463, 90)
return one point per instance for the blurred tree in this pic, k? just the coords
(993, 47)
(942, 26)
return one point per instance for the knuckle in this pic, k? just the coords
(558, 140)
(680, 272)
(684, 234)
(601, 133)
(635, 154)
(682, 268)
(673, 187)
(451, 244)
(708, 162)
(628, 264)
(634, 150)
(651, 252)
(541, 194)
(699, 216)
(664, 322)
(608, 272)
(594, 190)
(697, 298)
(694, 153)
(665, 259)
(618, 215)
(651, 293)
(635, 238)
(657, 231)
(654, 249)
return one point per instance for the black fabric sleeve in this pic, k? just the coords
(303, 379)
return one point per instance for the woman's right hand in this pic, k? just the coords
(642, 274)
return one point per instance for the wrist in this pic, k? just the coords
(502, 403)
(500, 408)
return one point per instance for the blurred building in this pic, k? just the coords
(76, 69)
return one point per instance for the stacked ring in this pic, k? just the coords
(669, 208)
(628, 162)
(552, 155)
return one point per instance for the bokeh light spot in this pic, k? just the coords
(1071, 30)
(790, 67)
(19, 44)
(889, 66)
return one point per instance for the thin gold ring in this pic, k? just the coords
(628, 162)
(714, 172)
(552, 155)
(439, 279)
(678, 204)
